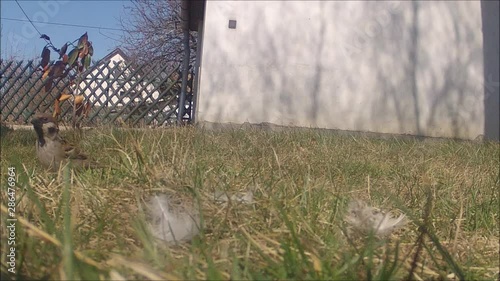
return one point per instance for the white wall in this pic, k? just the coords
(350, 65)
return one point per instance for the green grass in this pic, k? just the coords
(89, 224)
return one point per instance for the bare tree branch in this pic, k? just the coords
(153, 31)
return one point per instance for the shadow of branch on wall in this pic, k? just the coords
(413, 54)
(434, 83)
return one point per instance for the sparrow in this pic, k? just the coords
(52, 150)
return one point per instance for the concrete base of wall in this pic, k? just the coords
(220, 127)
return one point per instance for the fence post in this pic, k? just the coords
(489, 10)
(185, 63)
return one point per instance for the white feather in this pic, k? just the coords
(365, 219)
(172, 222)
(245, 197)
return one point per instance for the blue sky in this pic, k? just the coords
(21, 40)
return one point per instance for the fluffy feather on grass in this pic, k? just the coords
(367, 219)
(172, 220)
(245, 197)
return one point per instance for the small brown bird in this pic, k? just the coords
(52, 150)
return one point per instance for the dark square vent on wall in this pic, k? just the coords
(232, 24)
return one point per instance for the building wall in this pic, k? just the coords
(398, 67)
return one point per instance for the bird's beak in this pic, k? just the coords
(35, 121)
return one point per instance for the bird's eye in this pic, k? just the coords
(52, 130)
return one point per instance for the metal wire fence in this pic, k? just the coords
(118, 93)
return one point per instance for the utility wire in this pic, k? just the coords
(64, 24)
(28, 18)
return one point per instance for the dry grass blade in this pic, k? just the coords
(263, 249)
(140, 268)
(47, 237)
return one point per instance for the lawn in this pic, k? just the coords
(91, 224)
